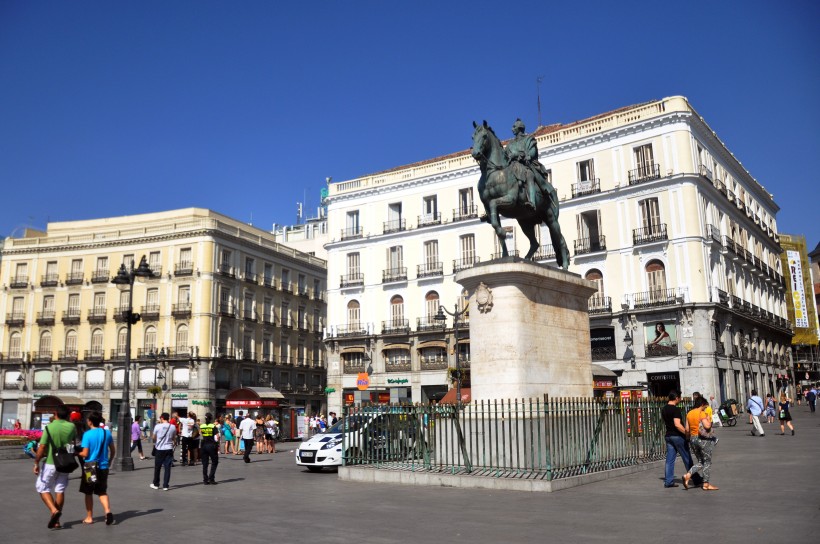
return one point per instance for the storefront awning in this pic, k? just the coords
(463, 340)
(450, 397)
(598, 370)
(433, 344)
(396, 346)
(353, 349)
(256, 397)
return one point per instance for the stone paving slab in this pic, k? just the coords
(769, 492)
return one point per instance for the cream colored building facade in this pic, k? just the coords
(228, 308)
(678, 235)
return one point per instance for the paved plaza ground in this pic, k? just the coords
(769, 492)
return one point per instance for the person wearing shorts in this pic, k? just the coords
(62, 433)
(97, 447)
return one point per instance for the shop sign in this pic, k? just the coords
(363, 381)
(252, 403)
(329, 390)
(604, 383)
(179, 395)
(661, 377)
(398, 381)
(201, 402)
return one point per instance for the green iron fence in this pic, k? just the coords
(545, 439)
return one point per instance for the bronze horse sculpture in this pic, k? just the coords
(501, 189)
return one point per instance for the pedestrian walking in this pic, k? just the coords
(247, 428)
(136, 436)
(811, 398)
(715, 406)
(784, 414)
(755, 407)
(97, 451)
(186, 429)
(675, 438)
(702, 442)
(238, 444)
(209, 449)
(770, 406)
(59, 433)
(164, 436)
(259, 434)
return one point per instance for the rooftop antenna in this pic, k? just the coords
(251, 222)
(538, 81)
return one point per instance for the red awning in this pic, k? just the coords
(450, 397)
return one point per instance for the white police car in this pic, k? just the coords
(322, 450)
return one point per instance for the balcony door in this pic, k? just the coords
(656, 281)
(650, 216)
(644, 160)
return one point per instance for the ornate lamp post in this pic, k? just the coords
(125, 277)
(456, 314)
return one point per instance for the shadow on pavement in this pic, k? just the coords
(119, 517)
(219, 482)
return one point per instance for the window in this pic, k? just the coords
(656, 277)
(589, 232)
(397, 311)
(353, 314)
(285, 279)
(124, 299)
(48, 305)
(300, 354)
(268, 273)
(301, 283)
(74, 305)
(128, 260)
(397, 357)
(465, 201)
(644, 161)
(266, 345)
(225, 299)
(650, 215)
(394, 259)
(71, 343)
(225, 258)
(352, 222)
(99, 303)
(431, 304)
(45, 344)
(184, 294)
(250, 267)
(249, 307)
(76, 267)
(186, 257)
(150, 342)
(353, 264)
(224, 340)
(102, 264)
(586, 172)
(18, 307)
(154, 262)
(152, 299)
(394, 215)
(182, 339)
(21, 274)
(97, 343)
(301, 317)
(122, 335)
(467, 249)
(317, 354)
(15, 345)
(430, 208)
(51, 269)
(431, 253)
(317, 288)
(596, 276)
(284, 350)
(284, 314)
(247, 346)
(317, 324)
(267, 316)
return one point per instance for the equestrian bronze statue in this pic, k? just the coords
(514, 184)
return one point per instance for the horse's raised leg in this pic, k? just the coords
(559, 244)
(496, 223)
(529, 232)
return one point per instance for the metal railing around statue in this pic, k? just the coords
(548, 439)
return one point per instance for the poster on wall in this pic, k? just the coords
(661, 338)
(801, 318)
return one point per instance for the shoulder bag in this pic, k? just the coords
(63, 461)
(90, 467)
(154, 451)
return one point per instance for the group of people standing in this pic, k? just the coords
(264, 433)
(198, 440)
(688, 436)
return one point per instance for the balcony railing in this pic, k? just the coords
(603, 354)
(49, 280)
(590, 245)
(227, 353)
(705, 171)
(355, 329)
(97, 315)
(227, 270)
(351, 280)
(100, 276)
(249, 314)
(42, 356)
(156, 270)
(119, 314)
(351, 233)
(71, 317)
(544, 253)
(269, 281)
(396, 326)
(433, 363)
(94, 385)
(647, 235)
(429, 324)
(226, 309)
(184, 268)
(74, 278)
(600, 305)
(655, 298)
(150, 312)
(500, 255)
(247, 355)
(465, 213)
(117, 354)
(428, 219)
(19, 282)
(647, 172)
(251, 277)
(93, 355)
(67, 355)
(713, 232)
(397, 367)
(397, 225)
(464, 264)
(394, 274)
(16, 319)
(588, 187)
(181, 310)
(353, 367)
(46, 317)
(430, 269)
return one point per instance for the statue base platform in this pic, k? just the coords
(529, 330)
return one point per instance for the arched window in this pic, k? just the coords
(397, 311)
(431, 304)
(150, 342)
(596, 276)
(353, 314)
(15, 345)
(122, 336)
(71, 343)
(656, 280)
(97, 343)
(182, 339)
(45, 345)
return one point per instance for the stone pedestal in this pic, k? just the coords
(529, 330)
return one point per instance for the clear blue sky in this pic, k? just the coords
(112, 108)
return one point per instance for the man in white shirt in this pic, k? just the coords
(246, 428)
(186, 426)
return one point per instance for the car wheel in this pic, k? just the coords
(315, 469)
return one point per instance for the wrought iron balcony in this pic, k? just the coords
(600, 305)
(397, 225)
(318, 295)
(93, 355)
(184, 268)
(250, 277)
(713, 232)
(647, 235)
(430, 269)
(603, 354)
(94, 385)
(655, 298)
(120, 313)
(429, 324)
(351, 280)
(590, 245)
(589, 187)
(544, 253)
(397, 367)
(156, 270)
(117, 354)
(705, 171)
(286, 286)
(353, 367)
(49, 280)
(427, 219)
(647, 172)
(74, 278)
(226, 270)
(500, 255)
(465, 213)
(249, 314)
(71, 317)
(226, 309)
(351, 233)
(396, 326)
(247, 355)
(464, 264)
(433, 363)
(42, 356)
(100, 276)
(269, 282)
(150, 312)
(19, 282)
(227, 353)
(354, 329)
(16, 319)
(14, 357)
(722, 297)
(97, 315)
(181, 311)
(394, 274)
(67, 355)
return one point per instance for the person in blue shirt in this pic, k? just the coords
(97, 447)
(755, 407)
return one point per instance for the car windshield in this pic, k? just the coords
(349, 424)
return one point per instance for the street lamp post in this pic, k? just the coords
(456, 314)
(125, 277)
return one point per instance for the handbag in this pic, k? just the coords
(64, 461)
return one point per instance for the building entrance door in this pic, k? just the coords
(660, 384)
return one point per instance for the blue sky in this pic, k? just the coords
(113, 108)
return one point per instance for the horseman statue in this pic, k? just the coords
(515, 184)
